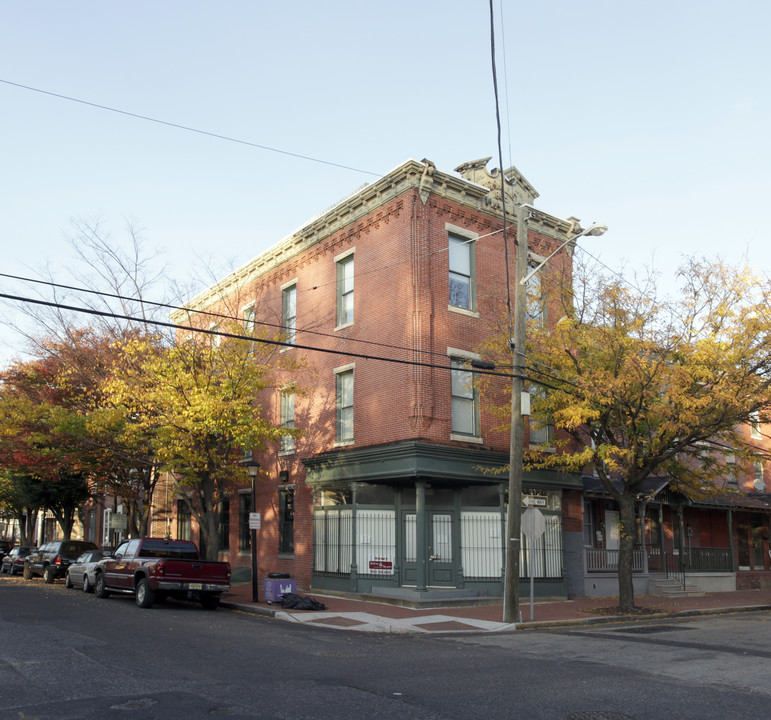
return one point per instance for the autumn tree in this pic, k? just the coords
(641, 387)
(38, 438)
(20, 501)
(198, 401)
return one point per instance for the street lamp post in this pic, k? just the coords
(517, 437)
(253, 468)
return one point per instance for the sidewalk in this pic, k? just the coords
(374, 616)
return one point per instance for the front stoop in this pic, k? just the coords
(672, 588)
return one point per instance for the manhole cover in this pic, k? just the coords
(598, 715)
(649, 629)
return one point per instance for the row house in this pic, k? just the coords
(391, 488)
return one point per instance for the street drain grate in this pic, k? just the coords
(650, 629)
(598, 715)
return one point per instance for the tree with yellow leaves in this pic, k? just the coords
(642, 387)
(198, 402)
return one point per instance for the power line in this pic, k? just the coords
(209, 314)
(236, 336)
(188, 128)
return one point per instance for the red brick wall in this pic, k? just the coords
(401, 300)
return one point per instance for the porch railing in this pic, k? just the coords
(599, 560)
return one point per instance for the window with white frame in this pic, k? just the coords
(465, 399)
(759, 482)
(287, 419)
(755, 433)
(344, 289)
(462, 271)
(215, 336)
(289, 312)
(249, 320)
(536, 298)
(541, 430)
(344, 405)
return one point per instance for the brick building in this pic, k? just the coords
(383, 302)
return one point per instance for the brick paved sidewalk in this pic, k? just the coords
(362, 613)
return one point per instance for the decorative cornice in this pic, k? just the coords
(365, 205)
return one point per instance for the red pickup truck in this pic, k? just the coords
(153, 569)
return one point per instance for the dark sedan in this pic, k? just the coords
(13, 562)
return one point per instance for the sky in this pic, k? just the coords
(652, 118)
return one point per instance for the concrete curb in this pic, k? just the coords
(401, 627)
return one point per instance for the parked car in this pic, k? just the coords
(156, 568)
(81, 572)
(5, 548)
(13, 562)
(52, 559)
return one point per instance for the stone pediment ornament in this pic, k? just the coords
(516, 188)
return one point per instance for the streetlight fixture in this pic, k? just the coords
(253, 468)
(517, 437)
(594, 230)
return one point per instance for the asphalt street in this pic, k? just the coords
(64, 654)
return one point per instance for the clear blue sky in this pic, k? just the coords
(651, 117)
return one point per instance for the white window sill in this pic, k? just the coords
(343, 326)
(344, 443)
(462, 311)
(466, 438)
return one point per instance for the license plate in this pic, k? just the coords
(196, 586)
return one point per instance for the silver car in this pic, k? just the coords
(81, 572)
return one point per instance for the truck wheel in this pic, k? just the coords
(145, 596)
(100, 589)
(210, 602)
(48, 575)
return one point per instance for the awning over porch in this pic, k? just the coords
(394, 462)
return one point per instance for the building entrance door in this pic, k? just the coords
(439, 548)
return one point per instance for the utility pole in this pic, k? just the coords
(517, 438)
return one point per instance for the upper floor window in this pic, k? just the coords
(760, 484)
(344, 405)
(345, 290)
(287, 419)
(289, 313)
(249, 320)
(541, 430)
(462, 271)
(465, 400)
(536, 299)
(755, 433)
(215, 336)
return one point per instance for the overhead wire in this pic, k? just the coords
(187, 128)
(238, 336)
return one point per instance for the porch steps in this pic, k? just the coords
(673, 588)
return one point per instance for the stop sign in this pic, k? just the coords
(533, 523)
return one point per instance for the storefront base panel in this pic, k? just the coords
(749, 580)
(542, 589)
